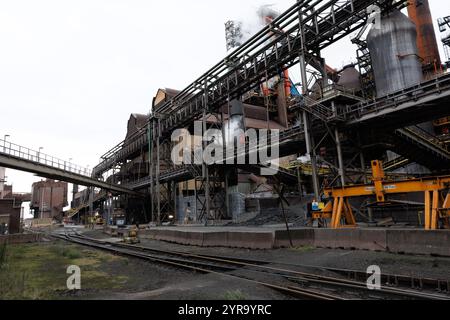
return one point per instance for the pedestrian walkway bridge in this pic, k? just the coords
(21, 158)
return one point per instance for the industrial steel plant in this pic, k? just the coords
(348, 159)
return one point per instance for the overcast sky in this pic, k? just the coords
(71, 72)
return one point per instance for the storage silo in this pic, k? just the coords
(350, 78)
(393, 49)
(396, 63)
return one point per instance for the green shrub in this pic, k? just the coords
(72, 253)
(234, 295)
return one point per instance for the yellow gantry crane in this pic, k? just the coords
(436, 190)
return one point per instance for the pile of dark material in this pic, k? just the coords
(273, 216)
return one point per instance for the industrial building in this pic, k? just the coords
(275, 174)
(10, 206)
(48, 199)
(4, 189)
(366, 144)
(10, 216)
(331, 130)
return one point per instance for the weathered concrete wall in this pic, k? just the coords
(231, 239)
(360, 239)
(396, 241)
(254, 240)
(300, 238)
(215, 239)
(9, 207)
(20, 238)
(419, 242)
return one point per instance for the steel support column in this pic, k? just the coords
(158, 171)
(306, 119)
(340, 156)
(91, 204)
(205, 173)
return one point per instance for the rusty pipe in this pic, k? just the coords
(419, 12)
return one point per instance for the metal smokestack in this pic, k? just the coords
(420, 14)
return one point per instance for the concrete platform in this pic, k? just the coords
(407, 241)
(247, 238)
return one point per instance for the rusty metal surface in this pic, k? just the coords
(420, 14)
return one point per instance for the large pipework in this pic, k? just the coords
(235, 128)
(420, 14)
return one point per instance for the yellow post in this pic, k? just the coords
(447, 202)
(435, 211)
(378, 177)
(350, 218)
(333, 214)
(427, 210)
(447, 212)
(338, 215)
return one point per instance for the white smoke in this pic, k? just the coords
(251, 23)
(254, 23)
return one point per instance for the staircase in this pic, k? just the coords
(194, 169)
(318, 110)
(425, 148)
(395, 164)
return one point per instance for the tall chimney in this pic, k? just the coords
(420, 14)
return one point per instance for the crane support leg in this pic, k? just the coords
(435, 211)
(446, 211)
(437, 208)
(427, 210)
(350, 221)
(341, 209)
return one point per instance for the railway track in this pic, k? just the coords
(207, 268)
(297, 284)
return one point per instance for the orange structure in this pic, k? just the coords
(435, 189)
(419, 12)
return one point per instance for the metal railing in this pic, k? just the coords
(37, 157)
(332, 90)
(438, 85)
(319, 110)
(396, 163)
(194, 169)
(419, 135)
(121, 151)
(428, 137)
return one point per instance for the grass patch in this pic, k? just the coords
(235, 295)
(303, 249)
(2, 255)
(72, 254)
(38, 271)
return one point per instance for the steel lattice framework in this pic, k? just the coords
(295, 37)
(303, 30)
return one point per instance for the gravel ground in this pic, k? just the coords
(201, 287)
(150, 281)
